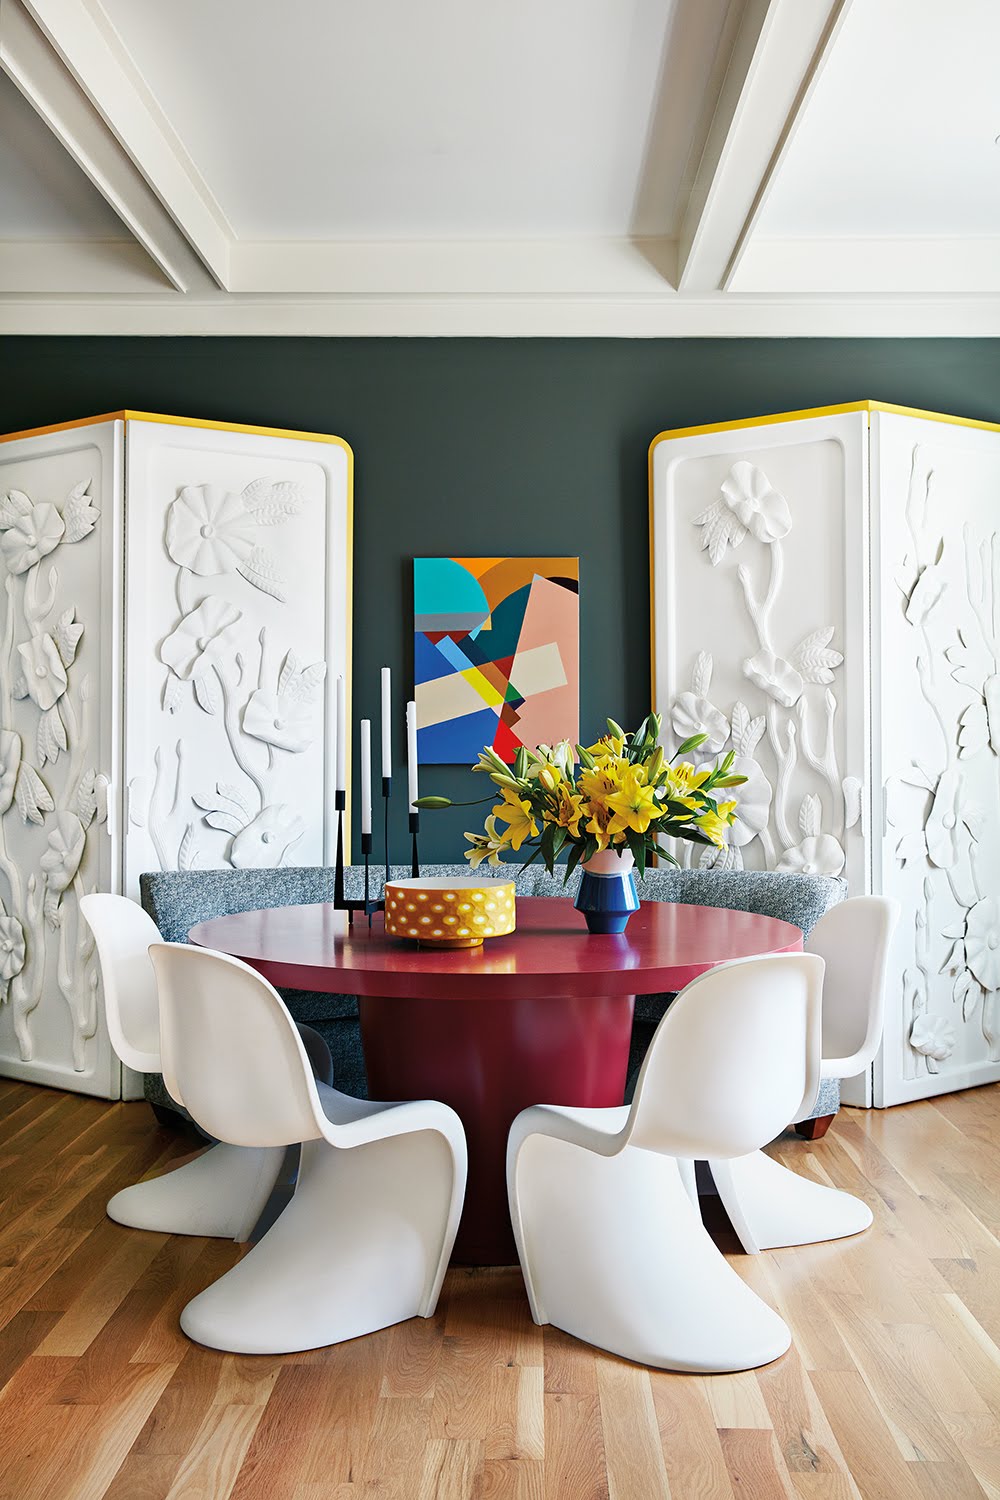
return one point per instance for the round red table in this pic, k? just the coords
(543, 1016)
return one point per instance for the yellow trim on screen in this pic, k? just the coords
(152, 416)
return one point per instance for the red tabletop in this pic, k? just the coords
(542, 1016)
(551, 955)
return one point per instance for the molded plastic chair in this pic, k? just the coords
(224, 1191)
(768, 1204)
(612, 1248)
(366, 1239)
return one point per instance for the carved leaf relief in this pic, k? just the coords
(32, 795)
(814, 658)
(259, 569)
(80, 515)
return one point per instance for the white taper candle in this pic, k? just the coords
(386, 723)
(341, 736)
(366, 775)
(411, 754)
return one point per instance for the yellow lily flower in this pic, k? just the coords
(715, 823)
(607, 746)
(488, 845)
(634, 806)
(569, 811)
(602, 782)
(518, 814)
(599, 829)
(684, 778)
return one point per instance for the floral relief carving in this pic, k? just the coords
(750, 512)
(37, 656)
(263, 717)
(932, 816)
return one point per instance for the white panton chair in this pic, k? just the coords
(612, 1247)
(223, 1192)
(366, 1239)
(768, 1204)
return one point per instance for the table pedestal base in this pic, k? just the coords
(489, 1059)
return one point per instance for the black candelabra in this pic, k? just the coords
(366, 903)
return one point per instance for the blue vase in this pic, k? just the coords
(607, 895)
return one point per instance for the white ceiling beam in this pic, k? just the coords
(89, 46)
(777, 55)
(32, 65)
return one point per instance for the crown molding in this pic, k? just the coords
(667, 316)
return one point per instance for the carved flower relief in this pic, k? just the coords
(265, 842)
(61, 859)
(29, 532)
(982, 942)
(12, 950)
(755, 502)
(198, 641)
(693, 714)
(749, 502)
(10, 761)
(43, 676)
(819, 854)
(754, 805)
(774, 676)
(209, 530)
(933, 1037)
(280, 720)
(941, 831)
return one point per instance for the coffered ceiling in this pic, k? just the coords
(595, 167)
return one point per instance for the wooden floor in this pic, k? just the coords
(891, 1388)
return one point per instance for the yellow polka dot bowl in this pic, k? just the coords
(442, 913)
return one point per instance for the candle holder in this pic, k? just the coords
(414, 856)
(366, 904)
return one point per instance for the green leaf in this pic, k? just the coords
(575, 855)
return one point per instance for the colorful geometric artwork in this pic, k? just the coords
(496, 654)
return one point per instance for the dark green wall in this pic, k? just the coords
(477, 447)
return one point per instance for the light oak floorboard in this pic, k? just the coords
(891, 1390)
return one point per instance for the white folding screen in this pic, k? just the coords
(848, 653)
(176, 607)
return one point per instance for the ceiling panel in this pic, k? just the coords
(900, 135)
(326, 119)
(43, 193)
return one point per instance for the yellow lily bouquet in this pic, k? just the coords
(620, 794)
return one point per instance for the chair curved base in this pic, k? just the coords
(362, 1245)
(221, 1194)
(771, 1206)
(614, 1252)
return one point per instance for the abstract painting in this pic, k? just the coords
(496, 654)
